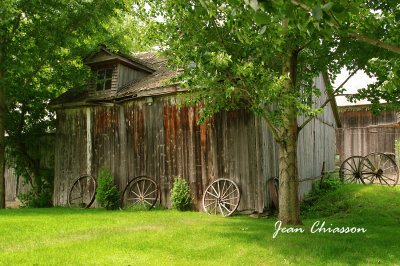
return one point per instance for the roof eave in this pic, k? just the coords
(332, 99)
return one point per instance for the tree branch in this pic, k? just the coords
(366, 39)
(327, 101)
(387, 46)
(219, 35)
(304, 46)
(272, 128)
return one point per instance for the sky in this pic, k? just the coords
(358, 81)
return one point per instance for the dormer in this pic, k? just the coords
(114, 71)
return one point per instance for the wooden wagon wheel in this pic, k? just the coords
(82, 192)
(350, 170)
(221, 197)
(141, 191)
(379, 168)
(274, 189)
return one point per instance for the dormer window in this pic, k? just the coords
(104, 77)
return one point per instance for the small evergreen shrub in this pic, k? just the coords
(107, 194)
(180, 194)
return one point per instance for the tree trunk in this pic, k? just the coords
(2, 146)
(289, 208)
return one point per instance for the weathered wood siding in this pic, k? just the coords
(16, 184)
(316, 142)
(363, 132)
(162, 141)
(127, 75)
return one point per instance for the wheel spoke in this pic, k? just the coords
(219, 205)
(137, 184)
(150, 193)
(229, 194)
(211, 194)
(144, 182)
(132, 190)
(384, 181)
(226, 208)
(387, 177)
(209, 204)
(351, 167)
(230, 185)
(147, 189)
(215, 191)
(150, 204)
(77, 198)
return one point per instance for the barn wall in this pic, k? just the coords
(14, 184)
(363, 132)
(162, 141)
(316, 142)
(70, 151)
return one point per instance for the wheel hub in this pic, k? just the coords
(379, 173)
(141, 198)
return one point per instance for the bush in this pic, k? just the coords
(41, 191)
(107, 194)
(41, 199)
(330, 183)
(180, 195)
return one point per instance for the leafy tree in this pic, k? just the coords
(263, 55)
(41, 48)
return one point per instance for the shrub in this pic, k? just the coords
(180, 195)
(41, 199)
(107, 194)
(41, 190)
(330, 183)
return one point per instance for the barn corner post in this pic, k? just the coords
(289, 208)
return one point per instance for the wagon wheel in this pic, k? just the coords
(82, 192)
(350, 170)
(379, 168)
(221, 197)
(274, 189)
(142, 192)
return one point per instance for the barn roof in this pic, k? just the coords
(155, 83)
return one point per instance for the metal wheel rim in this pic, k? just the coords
(350, 170)
(83, 192)
(221, 197)
(379, 168)
(141, 191)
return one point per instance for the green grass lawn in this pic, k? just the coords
(62, 236)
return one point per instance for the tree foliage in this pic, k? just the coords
(262, 55)
(42, 44)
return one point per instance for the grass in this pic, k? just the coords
(67, 236)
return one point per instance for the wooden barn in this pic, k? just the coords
(363, 133)
(130, 122)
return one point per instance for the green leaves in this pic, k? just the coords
(261, 18)
(317, 12)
